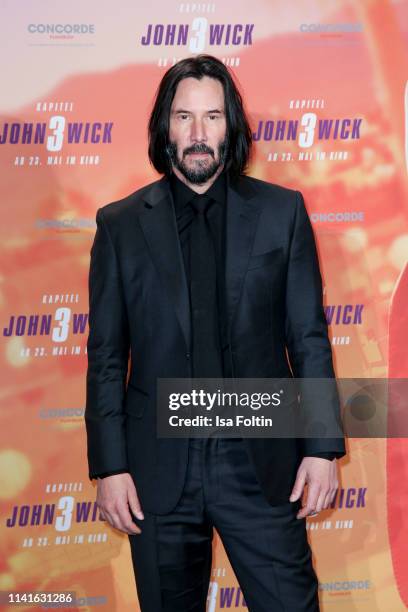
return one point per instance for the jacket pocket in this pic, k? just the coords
(263, 259)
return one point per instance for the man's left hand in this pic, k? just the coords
(321, 477)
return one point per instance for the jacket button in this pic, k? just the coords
(188, 355)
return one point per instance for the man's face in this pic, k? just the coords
(198, 128)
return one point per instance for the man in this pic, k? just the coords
(205, 273)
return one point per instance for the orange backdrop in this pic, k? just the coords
(325, 88)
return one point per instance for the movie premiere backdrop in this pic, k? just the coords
(325, 86)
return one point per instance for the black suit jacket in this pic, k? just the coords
(139, 306)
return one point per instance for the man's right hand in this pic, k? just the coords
(114, 496)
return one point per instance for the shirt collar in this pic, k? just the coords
(182, 194)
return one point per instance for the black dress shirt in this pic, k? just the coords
(182, 195)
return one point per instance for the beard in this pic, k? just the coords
(202, 170)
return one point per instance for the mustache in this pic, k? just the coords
(198, 148)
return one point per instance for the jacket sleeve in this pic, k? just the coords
(108, 352)
(307, 339)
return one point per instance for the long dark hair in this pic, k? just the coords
(239, 134)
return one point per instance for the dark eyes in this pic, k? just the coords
(184, 117)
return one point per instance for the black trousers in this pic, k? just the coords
(266, 545)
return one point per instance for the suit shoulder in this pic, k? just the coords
(133, 201)
(271, 189)
(274, 199)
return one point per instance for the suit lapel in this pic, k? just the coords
(158, 223)
(241, 220)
